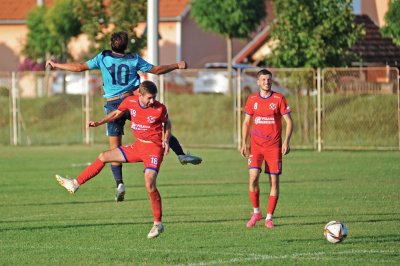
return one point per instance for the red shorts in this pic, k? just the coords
(149, 153)
(272, 157)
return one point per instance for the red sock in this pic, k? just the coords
(155, 201)
(272, 201)
(90, 171)
(255, 198)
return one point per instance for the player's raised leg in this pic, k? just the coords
(254, 193)
(184, 158)
(91, 171)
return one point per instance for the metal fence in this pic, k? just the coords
(333, 108)
(360, 108)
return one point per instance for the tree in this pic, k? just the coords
(392, 18)
(313, 33)
(49, 31)
(100, 20)
(63, 24)
(39, 42)
(230, 19)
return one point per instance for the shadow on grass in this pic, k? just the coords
(72, 226)
(126, 200)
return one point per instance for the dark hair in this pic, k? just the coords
(148, 86)
(263, 72)
(119, 41)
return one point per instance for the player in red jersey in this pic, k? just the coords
(152, 129)
(265, 110)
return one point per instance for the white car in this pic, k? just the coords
(74, 83)
(214, 79)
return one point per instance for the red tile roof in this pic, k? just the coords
(373, 48)
(172, 8)
(18, 9)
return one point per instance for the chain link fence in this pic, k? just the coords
(358, 108)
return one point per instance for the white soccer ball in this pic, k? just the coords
(335, 231)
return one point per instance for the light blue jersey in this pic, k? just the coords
(119, 73)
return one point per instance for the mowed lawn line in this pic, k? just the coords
(205, 210)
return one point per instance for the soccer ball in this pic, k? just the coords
(335, 231)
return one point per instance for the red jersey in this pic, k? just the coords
(267, 118)
(146, 123)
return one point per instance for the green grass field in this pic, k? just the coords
(205, 211)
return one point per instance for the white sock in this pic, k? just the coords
(157, 223)
(269, 216)
(76, 183)
(256, 210)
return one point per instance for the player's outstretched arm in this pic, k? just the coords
(73, 67)
(163, 69)
(108, 118)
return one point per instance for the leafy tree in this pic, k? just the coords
(392, 18)
(100, 21)
(228, 18)
(63, 24)
(49, 31)
(313, 33)
(39, 42)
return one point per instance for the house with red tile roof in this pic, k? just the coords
(373, 49)
(181, 38)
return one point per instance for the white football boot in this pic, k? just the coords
(70, 184)
(120, 196)
(156, 230)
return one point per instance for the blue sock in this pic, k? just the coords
(117, 172)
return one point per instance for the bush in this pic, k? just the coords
(4, 92)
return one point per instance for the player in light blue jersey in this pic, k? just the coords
(119, 71)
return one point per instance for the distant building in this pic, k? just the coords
(181, 37)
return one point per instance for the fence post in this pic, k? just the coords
(161, 89)
(398, 104)
(319, 110)
(238, 108)
(87, 107)
(14, 110)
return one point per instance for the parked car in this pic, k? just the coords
(215, 80)
(74, 83)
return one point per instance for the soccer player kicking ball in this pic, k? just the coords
(265, 110)
(152, 129)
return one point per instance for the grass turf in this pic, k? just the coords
(205, 211)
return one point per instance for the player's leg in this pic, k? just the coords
(182, 156)
(254, 164)
(152, 157)
(92, 170)
(150, 177)
(115, 130)
(272, 199)
(254, 194)
(273, 167)
(116, 169)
